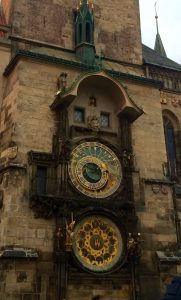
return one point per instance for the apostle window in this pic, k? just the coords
(79, 115)
(105, 120)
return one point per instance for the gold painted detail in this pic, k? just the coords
(80, 169)
(97, 243)
(95, 170)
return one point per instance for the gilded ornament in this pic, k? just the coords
(97, 243)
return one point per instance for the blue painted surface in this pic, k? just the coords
(173, 290)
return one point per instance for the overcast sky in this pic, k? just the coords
(169, 12)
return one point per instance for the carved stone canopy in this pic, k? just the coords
(125, 105)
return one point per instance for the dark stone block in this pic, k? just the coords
(178, 190)
(150, 288)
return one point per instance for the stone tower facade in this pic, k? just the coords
(90, 167)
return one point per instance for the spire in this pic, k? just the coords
(158, 41)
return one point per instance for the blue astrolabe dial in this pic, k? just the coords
(92, 173)
(95, 170)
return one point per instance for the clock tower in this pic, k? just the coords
(95, 168)
(87, 124)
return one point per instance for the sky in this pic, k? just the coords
(169, 13)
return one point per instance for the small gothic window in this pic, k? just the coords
(170, 147)
(79, 115)
(88, 32)
(41, 179)
(105, 120)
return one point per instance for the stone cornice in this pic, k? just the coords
(78, 65)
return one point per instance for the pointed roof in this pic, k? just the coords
(2, 21)
(158, 42)
(159, 46)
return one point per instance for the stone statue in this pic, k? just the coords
(61, 82)
(69, 234)
(128, 159)
(133, 244)
(93, 122)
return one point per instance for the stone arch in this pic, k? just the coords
(173, 119)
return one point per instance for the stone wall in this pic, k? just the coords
(117, 25)
(33, 86)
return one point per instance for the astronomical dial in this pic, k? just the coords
(97, 243)
(95, 170)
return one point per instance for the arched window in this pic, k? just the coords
(170, 147)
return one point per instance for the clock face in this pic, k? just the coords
(95, 170)
(97, 244)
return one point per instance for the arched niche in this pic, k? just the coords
(102, 86)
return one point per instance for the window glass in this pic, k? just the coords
(79, 115)
(105, 120)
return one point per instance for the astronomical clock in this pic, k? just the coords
(95, 171)
(98, 244)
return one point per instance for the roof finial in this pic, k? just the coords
(156, 17)
(158, 42)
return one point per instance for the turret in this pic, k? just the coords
(84, 32)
